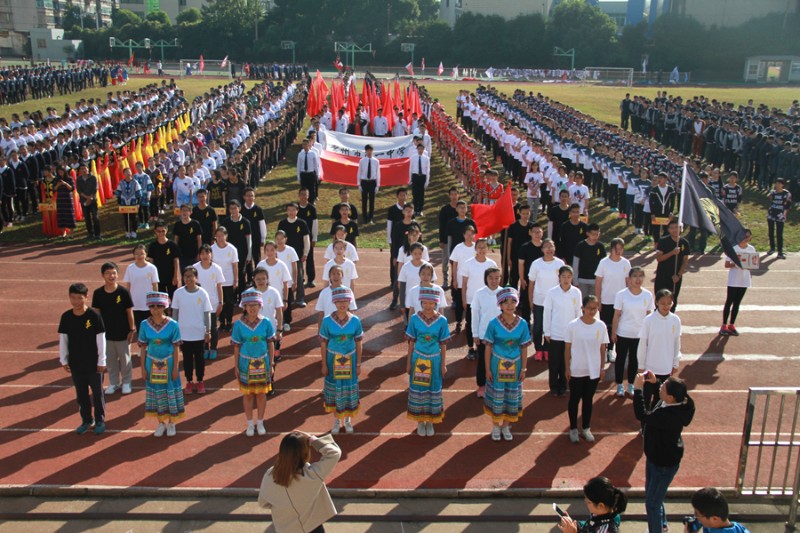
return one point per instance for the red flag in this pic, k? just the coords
(410, 68)
(492, 219)
(202, 64)
(398, 101)
(388, 106)
(311, 103)
(441, 69)
(352, 102)
(322, 91)
(423, 65)
(130, 60)
(338, 64)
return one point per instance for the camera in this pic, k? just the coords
(692, 523)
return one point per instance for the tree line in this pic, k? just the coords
(241, 30)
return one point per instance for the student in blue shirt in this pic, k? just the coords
(711, 514)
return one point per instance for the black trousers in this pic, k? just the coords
(458, 303)
(226, 315)
(368, 199)
(775, 226)
(21, 202)
(734, 298)
(480, 369)
(193, 360)
(581, 391)
(607, 316)
(309, 267)
(538, 330)
(393, 278)
(468, 328)
(91, 219)
(139, 317)
(84, 382)
(556, 367)
(308, 180)
(626, 350)
(418, 191)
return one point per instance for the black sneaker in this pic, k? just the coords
(472, 354)
(781, 255)
(393, 306)
(771, 251)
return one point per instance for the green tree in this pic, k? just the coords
(71, 19)
(158, 17)
(121, 17)
(579, 25)
(231, 22)
(189, 16)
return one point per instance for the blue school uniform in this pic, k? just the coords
(425, 381)
(255, 374)
(503, 398)
(163, 395)
(340, 394)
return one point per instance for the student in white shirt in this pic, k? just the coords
(472, 279)
(349, 272)
(459, 255)
(288, 255)
(542, 276)
(279, 275)
(631, 306)
(351, 252)
(659, 345)
(325, 303)
(585, 356)
(191, 308)
(140, 278)
(739, 281)
(426, 274)
(562, 305)
(227, 257)
(408, 276)
(533, 183)
(210, 277)
(484, 309)
(272, 307)
(412, 236)
(611, 277)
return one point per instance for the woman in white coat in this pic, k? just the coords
(294, 489)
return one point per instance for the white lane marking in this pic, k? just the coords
(746, 307)
(704, 330)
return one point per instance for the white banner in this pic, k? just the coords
(385, 147)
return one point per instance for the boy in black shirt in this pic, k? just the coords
(206, 216)
(528, 253)
(585, 259)
(572, 232)
(344, 198)
(394, 216)
(446, 214)
(557, 215)
(308, 213)
(399, 230)
(456, 226)
(115, 306)
(165, 255)
(188, 235)
(348, 223)
(82, 352)
(517, 234)
(258, 226)
(217, 191)
(236, 186)
(672, 255)
(299, 238)
(240, 236)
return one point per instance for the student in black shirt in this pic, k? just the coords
(394, 215)
(82, 352)
(517, 234)
(528, 253)
(217, 191)
(446, 214)
(585, 259)
(188, 235)
(308, 213)
(206, 216)
(165, 255)
(241, 237)
(235, 188)
(298, 237)
(572, 232)
(557, 215)
(456, 226)
(258, 226)
(344, 198)
(349, 224)
(115, 306)
(399, 230)
(672, 255)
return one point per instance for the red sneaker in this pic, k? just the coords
(732, 330)
(539, 355)
(188, 389)
(545, 356)
(723, 331)
(201, 388)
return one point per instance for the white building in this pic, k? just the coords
(450, 10)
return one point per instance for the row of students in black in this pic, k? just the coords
(17, 84)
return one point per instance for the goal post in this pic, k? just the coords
(621, 76)
(212, 68)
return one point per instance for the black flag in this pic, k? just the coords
(701, 209)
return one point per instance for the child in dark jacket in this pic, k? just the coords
(605, 502)
(663, 445)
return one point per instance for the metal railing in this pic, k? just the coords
(769, 458)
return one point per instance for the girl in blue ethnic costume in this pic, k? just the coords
(253, 340)
(340, 340)
(159, 338)
(507, 339)
(427, 334)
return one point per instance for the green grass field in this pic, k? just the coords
(280, 186)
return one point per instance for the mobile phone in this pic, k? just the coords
(559, 511)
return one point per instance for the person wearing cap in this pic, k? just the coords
(340, 335)
(159, 342)
(253, 340)
(427, 334)
(506, 355)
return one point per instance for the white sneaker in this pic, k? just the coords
(429, 429)
(111, 389)
(573, 436)
(260, 428)
(160, 430)
(287, 327)
(336, 426)
(630, 389)
(171, 431)
(250, 431)
(496, 433)
(421, 429)
(620, 391)
(126, 388)
(506, 431)
(611, 356)
(587, 435)
(348, 425)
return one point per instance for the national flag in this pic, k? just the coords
(410, 68)
(441, 69)
(423, 65)
(202, 64)
(338, 64)
(339, 159)
(224, 62)
(492, 219)
(700, 208)
(352, 103)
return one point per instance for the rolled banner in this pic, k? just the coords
(584, 219)
(660, 221)
(128, 209)
(220, 211)
(176, 211)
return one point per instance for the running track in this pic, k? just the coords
(38, 446)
